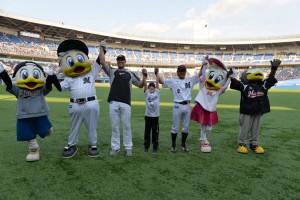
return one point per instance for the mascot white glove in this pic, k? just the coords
(49, 71)
(1, 68)
(205, 60)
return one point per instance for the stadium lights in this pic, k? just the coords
(222, 47)
(118, 41)
(29, 34)
(186, 47)
(152, 45)
(80, 36)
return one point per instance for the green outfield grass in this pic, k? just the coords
(222, 174)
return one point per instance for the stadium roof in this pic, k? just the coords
(60, 31)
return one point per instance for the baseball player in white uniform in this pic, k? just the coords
(181, 88)
(79, 79)
(119, 98)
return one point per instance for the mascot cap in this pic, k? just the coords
(72, 45)
(23, 64)
(216, 62)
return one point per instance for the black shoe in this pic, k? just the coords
(93, 151)
(173, 149)
(154, 151)
(146, 150)
(184, 148)
(69, 151)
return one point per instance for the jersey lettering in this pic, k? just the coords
(86, 80)
(188, 85)
(178, 91)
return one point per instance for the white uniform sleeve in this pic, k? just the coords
(96, 68)
(168, 83)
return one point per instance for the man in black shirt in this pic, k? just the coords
(119, 98)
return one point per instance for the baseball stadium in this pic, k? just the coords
(221, 174)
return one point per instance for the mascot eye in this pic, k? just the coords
(24, 74)
(80, 58)
(36, 74)
(211, 75)
(70, 61)
(218, 79)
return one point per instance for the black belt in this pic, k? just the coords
(82, 100)
(183, 102)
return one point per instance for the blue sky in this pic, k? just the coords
(169, 18)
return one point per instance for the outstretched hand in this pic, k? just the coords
(275, 64)
(144, 72)
(205, 60)
(103, 44)
(156, 70)
(49, 71)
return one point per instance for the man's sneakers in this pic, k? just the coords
(205, 147)
(255, 148)
(128, 152)
(93, 151)
(114, 152)
(69, 151)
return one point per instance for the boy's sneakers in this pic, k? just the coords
(173, 149)
(93, 151)
(242, 149)
(257, 149)
(205, 147)
(146, 150)
(69, 151)
(114, 152)
(154, 151)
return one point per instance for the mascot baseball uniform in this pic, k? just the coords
(30, 85)
(211, 87)
(253, 104)
(79, 78)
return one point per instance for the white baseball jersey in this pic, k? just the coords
(82, 86)
(181, 88)
(152, 103)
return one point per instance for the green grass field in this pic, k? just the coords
(222, 174)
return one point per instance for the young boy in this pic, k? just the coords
(152, 99)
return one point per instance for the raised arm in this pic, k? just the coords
(102, 52)
(157, 77)
(143, 82)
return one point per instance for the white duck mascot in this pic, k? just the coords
(30, 85)
(211, 86)
(79, 78)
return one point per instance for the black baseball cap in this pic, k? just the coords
(181, 68)
(121, 57)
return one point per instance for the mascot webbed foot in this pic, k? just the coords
(33, 156)
(242, 149)
(257, 149)
(205, 147)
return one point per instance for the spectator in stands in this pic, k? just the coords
(119, 98)
(152, 99)
(181, 88)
